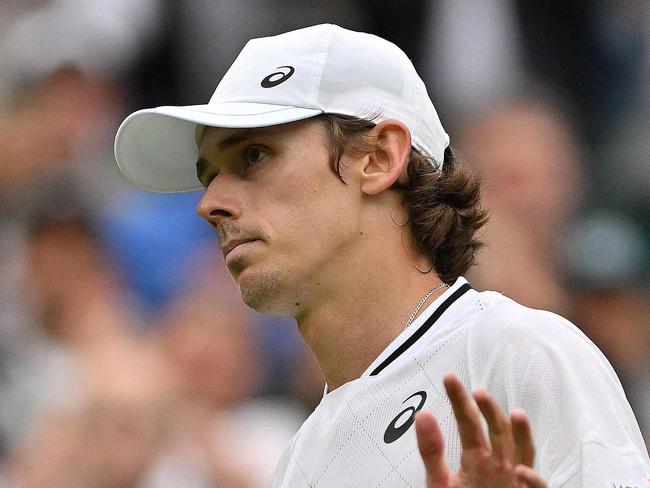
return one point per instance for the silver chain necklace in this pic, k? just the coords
(424, 299)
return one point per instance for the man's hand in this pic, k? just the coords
(505, 460)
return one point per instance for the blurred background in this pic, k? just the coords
(126, 357)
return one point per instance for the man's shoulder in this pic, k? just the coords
(499, 317)
(488, 323)
(512, 345)
(507, 334)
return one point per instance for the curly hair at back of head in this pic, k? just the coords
(444, 209)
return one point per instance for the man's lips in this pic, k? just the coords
(233, 243)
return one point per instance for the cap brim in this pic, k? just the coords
(155, 148)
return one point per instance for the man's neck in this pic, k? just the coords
(348, 331)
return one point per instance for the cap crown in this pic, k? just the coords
(335, 70)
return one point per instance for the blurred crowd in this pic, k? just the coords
(126, 356)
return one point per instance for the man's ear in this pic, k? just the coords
(384, 166)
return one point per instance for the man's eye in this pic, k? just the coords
(254, 154)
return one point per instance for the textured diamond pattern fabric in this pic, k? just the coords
(584, 429)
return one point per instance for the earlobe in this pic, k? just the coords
(385, 164)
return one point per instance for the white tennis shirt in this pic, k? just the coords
(362, 434)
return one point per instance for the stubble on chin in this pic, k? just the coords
(260, 290)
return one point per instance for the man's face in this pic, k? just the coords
(286, 222)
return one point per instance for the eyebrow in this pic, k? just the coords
(242, 136)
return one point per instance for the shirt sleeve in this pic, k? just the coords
(584, 430)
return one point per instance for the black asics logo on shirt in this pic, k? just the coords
(273, 80)
(394, 432)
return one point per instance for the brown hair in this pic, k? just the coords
(444, 210)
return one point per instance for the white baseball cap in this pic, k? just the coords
(281, 79)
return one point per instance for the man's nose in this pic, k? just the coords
(219, 204)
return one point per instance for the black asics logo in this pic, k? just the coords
(274, 79)
(394, 432)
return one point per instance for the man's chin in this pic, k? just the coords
(260, 290)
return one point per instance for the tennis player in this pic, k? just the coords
(337, 200)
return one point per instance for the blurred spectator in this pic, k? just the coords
(102, 444)
(63, 91)
(85, 309)
(593, 53)
(60, 99)
(88, 390)
(530, 168)
(221, 434)
(49, 125)
(60, 83)
(41, 131)
(473, 56)
(101, 39)
(606, 261)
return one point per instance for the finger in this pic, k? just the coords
(527, 477)
(466, 413)
(499, 428)
(524, 451)
(432, 449)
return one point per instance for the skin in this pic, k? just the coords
(325, 252)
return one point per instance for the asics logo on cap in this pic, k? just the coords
(394, 431)
(270, 82)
